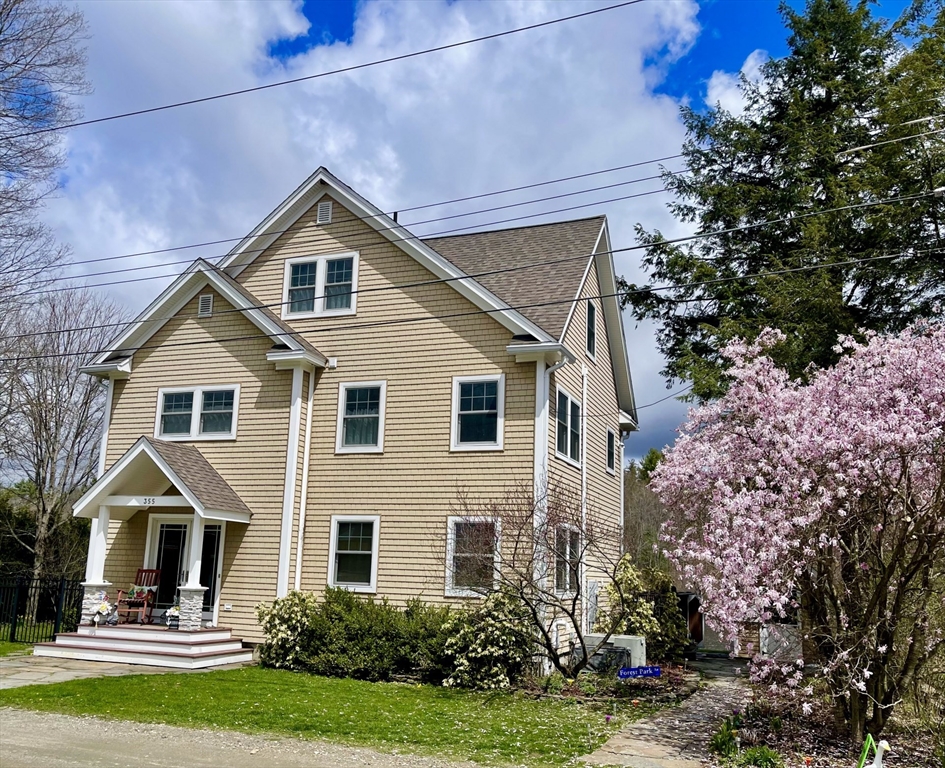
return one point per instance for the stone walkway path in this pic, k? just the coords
(678, 737)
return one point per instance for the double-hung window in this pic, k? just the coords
(611, 451)
(471, 550)
(353, 552)
(320, 285)
(361, 417)
(478, 413)
(567, 559)
(197, 413)
(591, 330)
(568, 442)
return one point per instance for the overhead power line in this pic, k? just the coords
(338, 71)
(471, 313)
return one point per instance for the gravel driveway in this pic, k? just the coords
(41, 740)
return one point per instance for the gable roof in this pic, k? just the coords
(569, 243)
(183, 466)
(176, 296)
(322, 183)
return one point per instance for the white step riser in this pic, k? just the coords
(163, 635)
(144, 646)
(124, 657)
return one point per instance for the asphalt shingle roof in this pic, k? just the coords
(199, 476)
(570, 242)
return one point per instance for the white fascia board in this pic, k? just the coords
(175, 297)
(88, 504)
(549, 351)
(292, 358)
(224, 515)
(616, 337)
(308, 194)
(113, 369)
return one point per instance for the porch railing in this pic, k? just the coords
(36, 610)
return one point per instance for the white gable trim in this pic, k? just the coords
(322, 182)
(175, 297)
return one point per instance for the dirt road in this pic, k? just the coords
(38, 740)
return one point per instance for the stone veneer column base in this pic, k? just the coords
(92, 598)
(191, 607)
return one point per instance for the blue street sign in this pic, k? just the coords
(626, 673)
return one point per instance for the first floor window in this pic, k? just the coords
(478, 412)
(354, 553)
(471, 556)
(567, 559)
(568, 427)
(361, 417)
(197, 413)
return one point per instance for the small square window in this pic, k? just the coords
(471, 557)
(568, 423)
(567, 559)
(478, 404)
(591, 329)
(361, 417)
(353, 561)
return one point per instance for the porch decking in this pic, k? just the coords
(155, 646)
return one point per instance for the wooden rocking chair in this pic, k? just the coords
(139, 601)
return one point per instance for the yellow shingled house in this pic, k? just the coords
(303, 414)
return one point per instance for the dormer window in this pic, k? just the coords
(316, 286)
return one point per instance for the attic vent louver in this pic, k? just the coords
(205, 305)
(324, 212)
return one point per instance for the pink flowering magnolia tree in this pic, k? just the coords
(827, 498)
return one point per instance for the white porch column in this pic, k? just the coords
(191, 593)
(95, 583)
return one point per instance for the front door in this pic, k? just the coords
(169, 542)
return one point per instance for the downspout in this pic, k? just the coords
(304, 491)
(585, 604)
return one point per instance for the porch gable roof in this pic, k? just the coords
(184, 467)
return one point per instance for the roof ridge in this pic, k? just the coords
(511, 229)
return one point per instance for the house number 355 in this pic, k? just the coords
(149, 501)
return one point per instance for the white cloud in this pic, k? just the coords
(539, 105)
(724, 87)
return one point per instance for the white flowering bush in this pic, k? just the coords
(287, 624)
(488, 647)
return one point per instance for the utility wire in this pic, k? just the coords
(456, 315)
(891, 141)
(327, 73)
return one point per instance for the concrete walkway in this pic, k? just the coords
(22, 669)
(678, 737)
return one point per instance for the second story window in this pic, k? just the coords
(478, 405)
(611, 451)
(591, 330)
(361, 417)
(320, 285)
(197, 413)
(568, 422)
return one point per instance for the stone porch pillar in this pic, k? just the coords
(191, 593)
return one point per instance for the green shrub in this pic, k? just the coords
(723, 741)
(760, 757)
(344, 635)
(553, 683)
(488, 647)
(671, 639)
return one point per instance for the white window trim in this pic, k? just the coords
(563, 456)
(611, 435)
(321, 269)
(451, 590)
(332, 551)
(587, 352)
(195, 413)
(580, 573)
(343, 387)
(455, 445)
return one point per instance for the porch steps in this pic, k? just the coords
(151, 645)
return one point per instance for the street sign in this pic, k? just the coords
(627, 673)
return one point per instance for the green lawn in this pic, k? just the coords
(486, 727)
(8, 648)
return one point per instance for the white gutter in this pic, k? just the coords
(304, 493)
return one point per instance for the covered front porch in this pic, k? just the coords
(176, 508)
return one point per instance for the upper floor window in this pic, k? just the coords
(611, 451)
(568, 443)
(197, 413)
(478, 413)
(591, 329)
(471, 549)
(361, 417)
(322, 285)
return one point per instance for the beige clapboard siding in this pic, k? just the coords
(413, 484)
(253, 464)
(601, 412)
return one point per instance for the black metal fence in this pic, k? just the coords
(35, 610)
